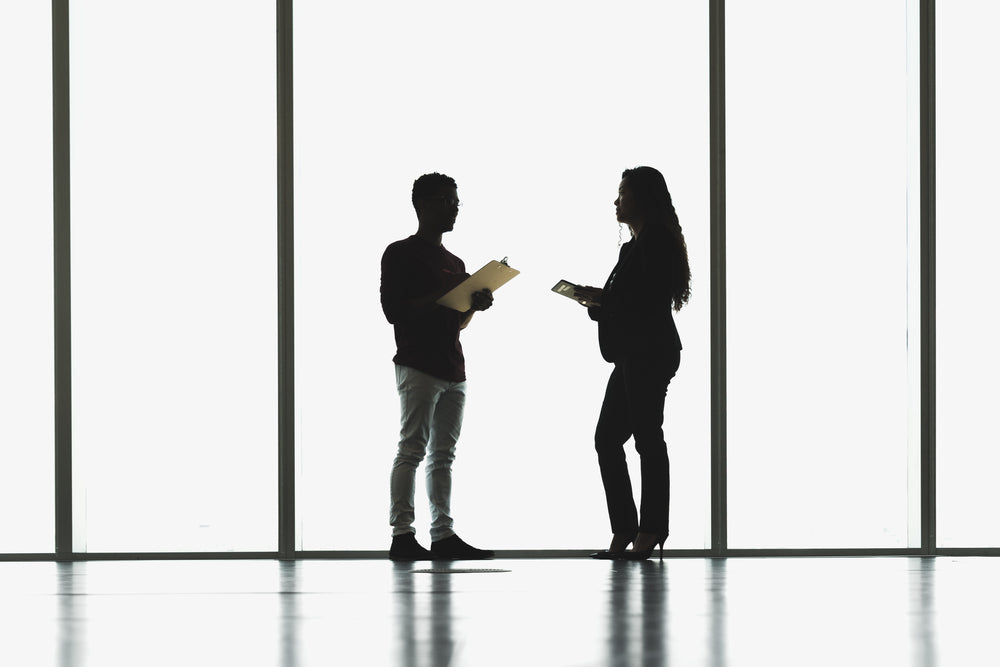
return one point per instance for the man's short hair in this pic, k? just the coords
(430, 185)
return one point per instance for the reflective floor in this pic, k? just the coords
(773, 611)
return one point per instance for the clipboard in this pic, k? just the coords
(491, 277)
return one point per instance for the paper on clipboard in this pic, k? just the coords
(491, 277)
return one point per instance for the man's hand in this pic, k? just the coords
(482, 299)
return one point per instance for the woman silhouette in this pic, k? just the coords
(637, 334)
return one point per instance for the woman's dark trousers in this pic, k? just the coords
(633, 407)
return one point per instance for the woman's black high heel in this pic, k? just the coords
(645, 553)
(616, 554)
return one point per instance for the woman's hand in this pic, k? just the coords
(588, 296)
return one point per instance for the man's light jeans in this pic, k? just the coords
(430, 423)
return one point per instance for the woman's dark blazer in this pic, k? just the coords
(635, 317)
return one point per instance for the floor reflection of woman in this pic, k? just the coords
(637, 334)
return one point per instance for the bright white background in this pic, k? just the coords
(535, 109)
(26, 395)
(174, 269)
(817, 274)
(968, 235)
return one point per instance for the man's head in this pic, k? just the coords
(435, 199)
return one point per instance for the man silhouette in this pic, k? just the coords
(430, 369)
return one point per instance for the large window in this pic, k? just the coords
(174, 299)
(967, 355)
(26, 397)
(817, 266)
(535, 110)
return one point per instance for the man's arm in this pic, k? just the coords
(396, 306)
(481, 300)
(408, 309)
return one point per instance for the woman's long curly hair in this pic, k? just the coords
(655, 206)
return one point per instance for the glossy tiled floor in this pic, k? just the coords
(686, 612)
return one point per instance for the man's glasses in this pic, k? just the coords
(449, 201)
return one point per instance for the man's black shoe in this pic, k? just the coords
(405, 547)
(453, 548)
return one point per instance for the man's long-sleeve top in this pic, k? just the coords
(428, 339)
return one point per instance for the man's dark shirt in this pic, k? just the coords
(428, 342)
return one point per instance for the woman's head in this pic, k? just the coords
(644, 198)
